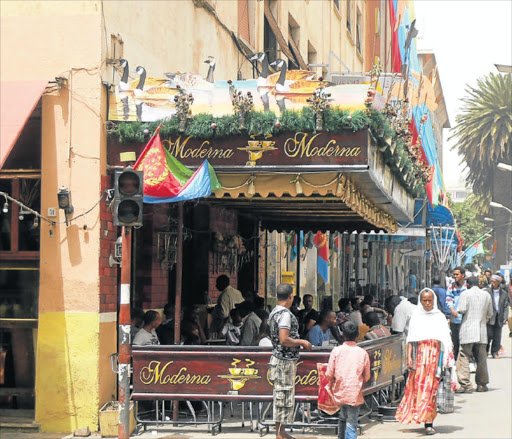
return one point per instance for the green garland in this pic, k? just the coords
(258, 123)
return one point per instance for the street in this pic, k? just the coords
(476, 416)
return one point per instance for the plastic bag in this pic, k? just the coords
(325, 398)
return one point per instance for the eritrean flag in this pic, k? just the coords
(166, 180)
(323, 255)
(474, 250)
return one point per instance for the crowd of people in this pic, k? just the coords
(444, 329)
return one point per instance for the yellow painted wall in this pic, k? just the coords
(67, 354)
(42, 40)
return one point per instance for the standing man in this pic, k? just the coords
(499, 299)
(452, 301)
(284, 334)
(488, 274)
(251, 324)
(227, 300)
(441, 296)
(476, 309)
(308, 315)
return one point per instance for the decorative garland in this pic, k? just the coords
(395, 146)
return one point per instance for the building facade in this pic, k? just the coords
(73, 51)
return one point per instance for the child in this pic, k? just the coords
(348, 370)
(233, 329)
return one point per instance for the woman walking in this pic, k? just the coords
(429, 346)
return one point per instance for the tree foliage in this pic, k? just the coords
(484, 130)
(470, 228)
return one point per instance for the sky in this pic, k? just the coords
(468, 37)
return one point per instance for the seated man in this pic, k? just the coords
(376, 329)
(165, 331)
(147, 334)
(137, 320)
(191, 331)
(232, 330)
(320, 334)
(251, 325)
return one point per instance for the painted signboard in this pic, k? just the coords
(285, 152)
(224, 373)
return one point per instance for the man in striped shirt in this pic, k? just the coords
(452, 302)
(476, 308)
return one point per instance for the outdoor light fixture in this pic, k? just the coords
(298, 185)
(504, 167)
(251, 190)
(118, 251)
(499, 206)
(64, 200)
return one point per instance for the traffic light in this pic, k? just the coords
(128, 197)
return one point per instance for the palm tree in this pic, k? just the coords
(484, 131)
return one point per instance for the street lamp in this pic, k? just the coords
(504, 167)
(500, 206)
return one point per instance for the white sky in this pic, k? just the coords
(468, 38)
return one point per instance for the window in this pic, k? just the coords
(243, 20)
(359, 24)
(312, 55)
(269, 42)
(349, 16)
(293, 41)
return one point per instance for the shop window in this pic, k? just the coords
(28, 229)
(19, 229)
(5, 218)
(19, 293)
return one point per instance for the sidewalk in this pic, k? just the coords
(476, 416)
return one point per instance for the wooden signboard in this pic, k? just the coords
(230, 373)
(285, 152)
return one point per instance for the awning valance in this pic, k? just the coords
(328, 201)
(17, 101)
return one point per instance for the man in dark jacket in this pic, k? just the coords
(499, 299)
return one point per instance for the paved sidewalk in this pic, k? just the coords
(477, 416)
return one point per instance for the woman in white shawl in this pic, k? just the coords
(429, 345)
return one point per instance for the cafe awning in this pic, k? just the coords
(18, 100)
(284, 202)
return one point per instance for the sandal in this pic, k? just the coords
(430, 431)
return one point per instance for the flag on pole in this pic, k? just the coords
(323, 255)
(166, 180)
(474, 250)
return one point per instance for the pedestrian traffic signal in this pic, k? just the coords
(128, 197)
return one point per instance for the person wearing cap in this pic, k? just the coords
(500, 300)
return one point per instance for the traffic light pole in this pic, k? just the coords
(125, 347)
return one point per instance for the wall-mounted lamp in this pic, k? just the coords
(64, 200)
(118, 252)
